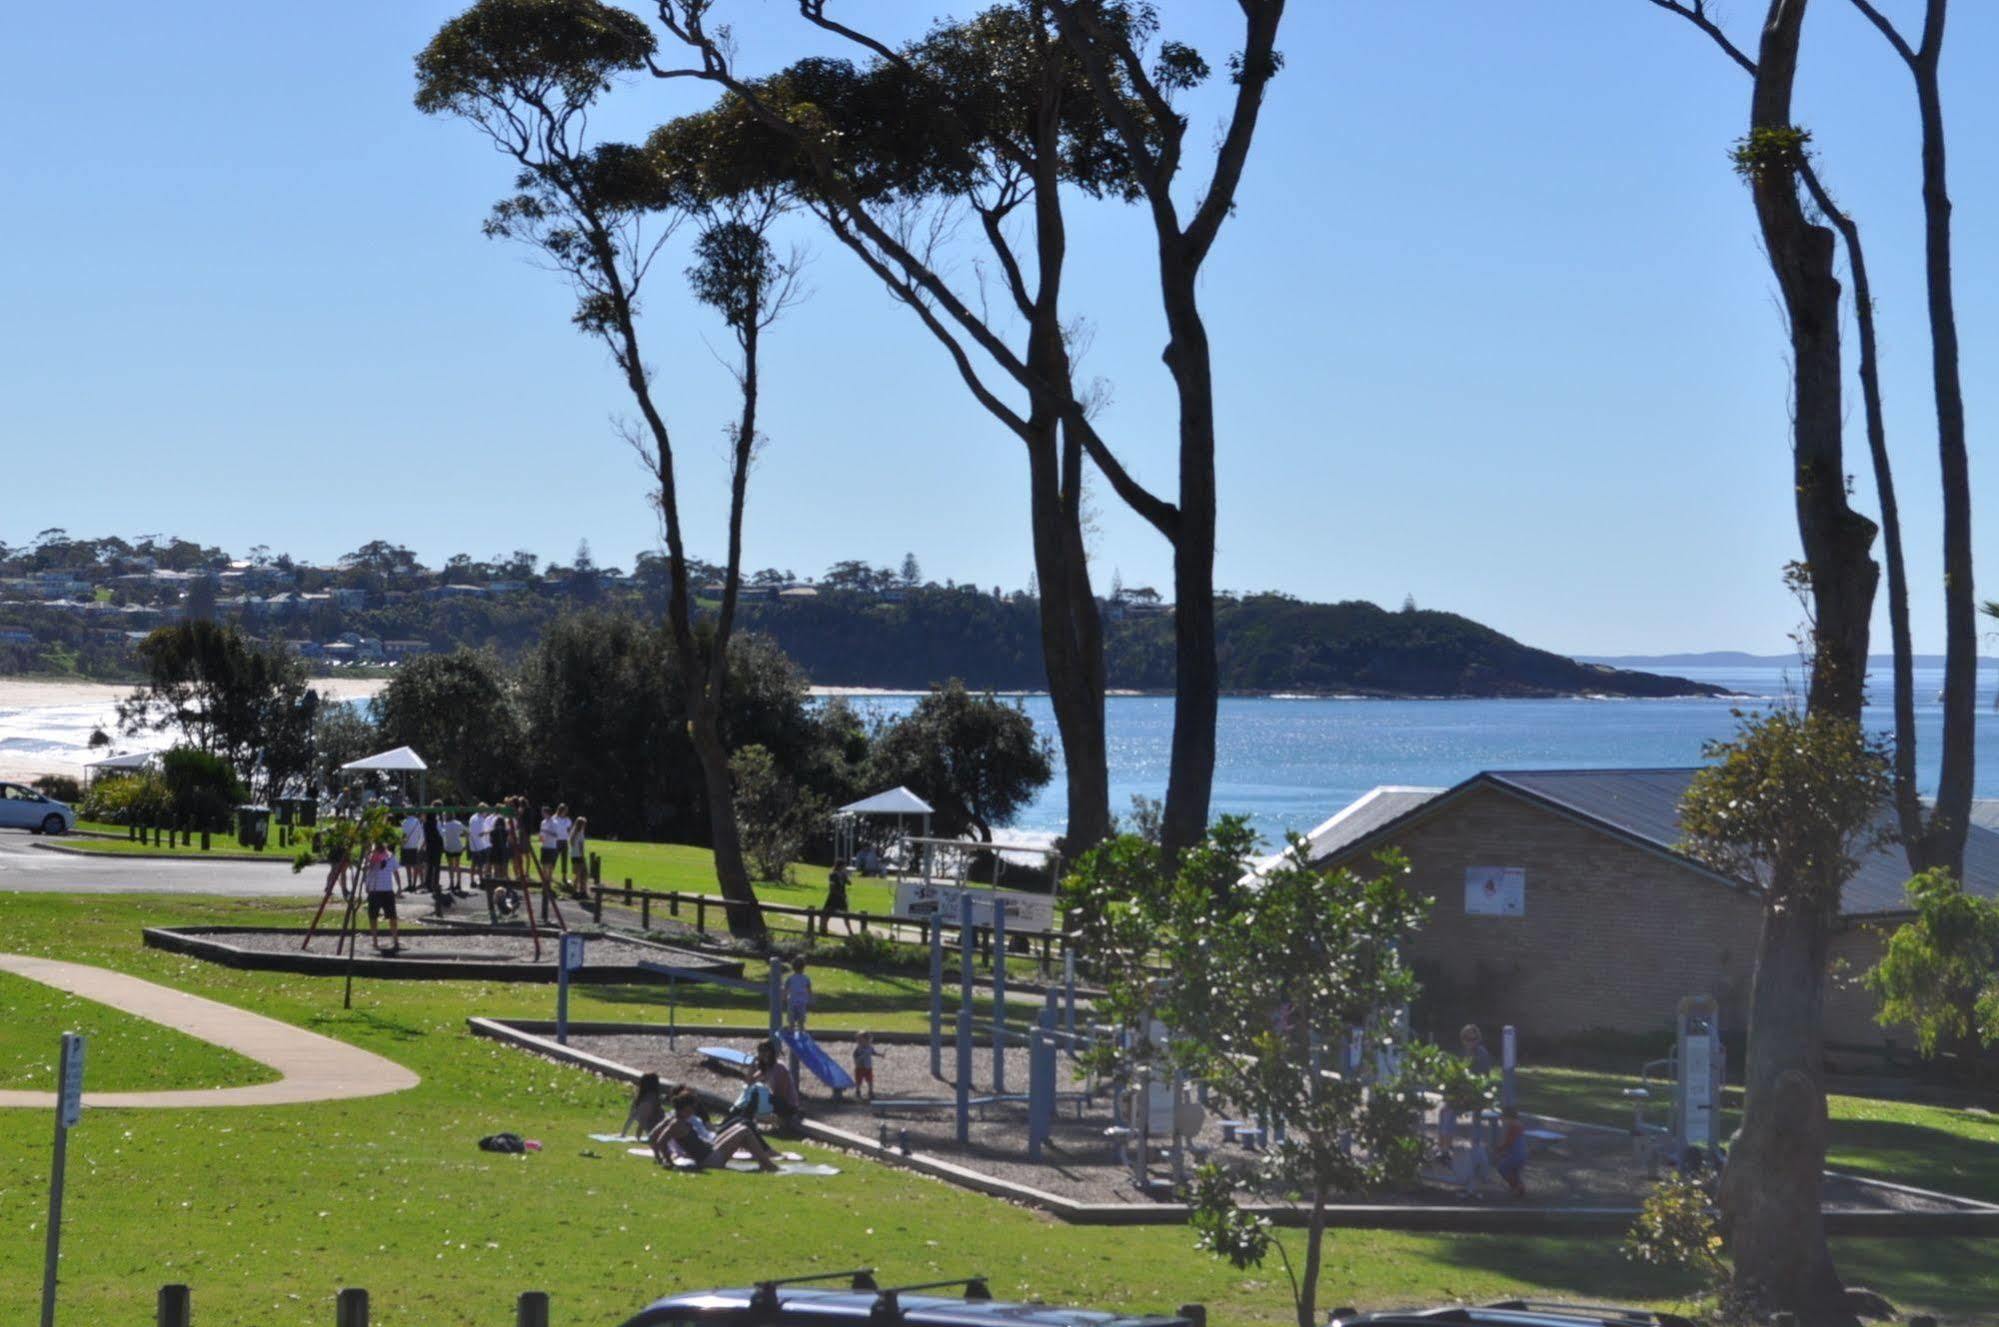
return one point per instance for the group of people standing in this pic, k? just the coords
(509, 840)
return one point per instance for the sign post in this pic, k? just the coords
(570, 959)
(69, 1110)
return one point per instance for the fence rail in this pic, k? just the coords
(697, 910)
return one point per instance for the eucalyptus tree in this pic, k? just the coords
(526, 73)
(1810, 792)
(1136, 75)
(993, 117)
(1931, 838)
(1940, 843)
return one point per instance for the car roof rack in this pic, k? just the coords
(763, 1298)
(888, 1302)
(1637, 1317)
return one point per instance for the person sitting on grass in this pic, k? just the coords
(381, 877)
(648, 1110)
(685, 1135)
(771, 1072)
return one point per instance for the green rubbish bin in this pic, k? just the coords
(253, 826)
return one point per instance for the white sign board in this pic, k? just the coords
(1496, 891)
(71, 1104)
(918, 901)
(572, 952)
(1697, 1082)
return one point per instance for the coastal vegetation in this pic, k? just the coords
(861, 626)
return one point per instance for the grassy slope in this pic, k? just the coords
(266, 1212)
(123, 1054)
(1930, 1147)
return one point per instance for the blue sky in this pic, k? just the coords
(1492, 327)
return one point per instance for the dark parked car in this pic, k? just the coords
(1509, 1313)
(809, 1302)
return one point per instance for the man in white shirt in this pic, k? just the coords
(555, 843)
(482, 842)
(412, 854)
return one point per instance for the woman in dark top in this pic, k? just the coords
(682, 1132)
(433, 858)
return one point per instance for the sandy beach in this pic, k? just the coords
(45, 725)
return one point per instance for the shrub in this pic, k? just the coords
(202, 789)
(773, 815)
(126, 799)
(61, 787)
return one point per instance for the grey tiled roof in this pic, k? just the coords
(1643, 805)
(1363, 817)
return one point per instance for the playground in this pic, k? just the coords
(1006, 1107)
(1593, 1167)
(438, 950)
(289, 1186)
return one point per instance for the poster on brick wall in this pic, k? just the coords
(1496, 891)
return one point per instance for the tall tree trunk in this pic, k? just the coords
(1770, 1205)
(702, 701)
(1770, 1191)
(704, 729)
(1315, 1246)
(1071, 636)
(1196, 669)
(1951, 820)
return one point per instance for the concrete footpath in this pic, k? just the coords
(314, 1068)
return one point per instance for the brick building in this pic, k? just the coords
(1565, 906)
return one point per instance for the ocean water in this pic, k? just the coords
(1288, 764)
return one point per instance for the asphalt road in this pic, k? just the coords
(25, 868)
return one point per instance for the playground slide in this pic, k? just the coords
(823, 1066)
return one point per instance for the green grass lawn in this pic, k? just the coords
(124, 1054)
(1930, 1147)
(266, 1212)
(219, 844)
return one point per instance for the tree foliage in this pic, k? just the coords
(975, 758)
(1281, 993)
(1794, 800)
(459, 712)
(248, 703)
(1940, 972)
(776, 817)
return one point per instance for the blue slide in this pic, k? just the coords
(823, 1066)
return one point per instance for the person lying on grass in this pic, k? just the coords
(685, 1134)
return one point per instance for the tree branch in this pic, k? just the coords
(1258, 66)
(1695, 12)
(1894, 35)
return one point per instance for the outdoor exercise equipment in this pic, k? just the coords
(1691, 1081)
(673, 975)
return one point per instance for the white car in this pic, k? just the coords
(22, 807)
